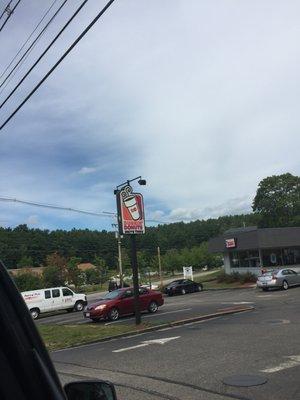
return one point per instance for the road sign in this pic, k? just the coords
(131, 216)
(188, 272)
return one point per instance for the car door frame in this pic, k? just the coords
(126, 304)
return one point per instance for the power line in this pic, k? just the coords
(43, 53)
(27, 52)
(5, 9)
(29, 37)
(54, 207)
(98, 16)
(10, 13)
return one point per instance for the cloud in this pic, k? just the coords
(87, 170)
(202, 101)
(32, 220)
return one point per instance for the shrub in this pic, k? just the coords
(248, 277)
(27, 281)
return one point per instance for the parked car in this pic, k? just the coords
(182, 286)
(53, 299)
(281, 278)
(121, 302)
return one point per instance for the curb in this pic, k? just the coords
(236, 288)
(233, 310)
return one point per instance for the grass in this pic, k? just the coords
(61, 336)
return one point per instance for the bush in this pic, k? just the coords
(27, 281)
(248, 277)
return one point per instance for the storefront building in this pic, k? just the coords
(252, 249)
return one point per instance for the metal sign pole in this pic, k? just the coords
(135, 278)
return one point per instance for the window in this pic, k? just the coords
(47, 294)
(55, 293)
(128, 293)
(143, 291)
(67, 292)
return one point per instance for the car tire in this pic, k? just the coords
(199, 288)
(79, 306)
(113, 314)
(153, 307)
(35, 312)
(285, 285)
(183, 291)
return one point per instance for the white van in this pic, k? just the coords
(53, 299)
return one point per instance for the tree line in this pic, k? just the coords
(277, 203)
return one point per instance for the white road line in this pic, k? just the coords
(149, 316)
(161, 341)
(293, 361)
(130, 348)
(238, 302)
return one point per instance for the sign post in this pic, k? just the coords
(188, 272)
(131, 222)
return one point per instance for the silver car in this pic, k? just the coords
(280, 278)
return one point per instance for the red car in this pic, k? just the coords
(121, 302)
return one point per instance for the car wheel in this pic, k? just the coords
(153, 307)
(113, 314)
(183, 291)
(285, 285)
(35, 312)
(199, 288)
(79, 306)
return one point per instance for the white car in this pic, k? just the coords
(53, 299)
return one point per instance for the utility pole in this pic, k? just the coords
(159, 267)
(119, 237)
(120, 258)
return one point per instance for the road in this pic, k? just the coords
(190, 361)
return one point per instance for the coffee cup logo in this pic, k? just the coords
(130, 202)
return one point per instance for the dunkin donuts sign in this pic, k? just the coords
(130, 211)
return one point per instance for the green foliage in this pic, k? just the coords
(27, 281)
(92, 276)
(74, 275)
(53, 276)
(246, 277)
(26, 261)
(277, 200)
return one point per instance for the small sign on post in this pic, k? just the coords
(188, 272)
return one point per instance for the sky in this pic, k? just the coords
(200, 98)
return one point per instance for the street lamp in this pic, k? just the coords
(131, 221)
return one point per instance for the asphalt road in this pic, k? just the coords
(175, 308)
(190, 361)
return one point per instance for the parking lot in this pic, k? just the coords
(191, 361)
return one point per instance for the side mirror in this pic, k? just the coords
(90, 390)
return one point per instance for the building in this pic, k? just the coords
(251, 249)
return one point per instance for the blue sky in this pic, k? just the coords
(201, 99)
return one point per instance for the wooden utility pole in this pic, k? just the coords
(159, 267)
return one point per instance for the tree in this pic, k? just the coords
(277, 200)
(93, 276)
(52, 276)
(26, 261)
(74, 275)
(27, 281)
(101, 268)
